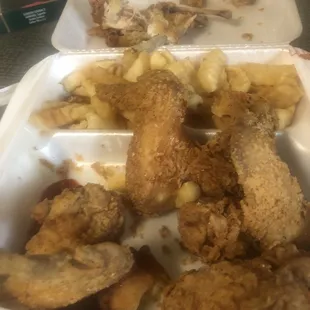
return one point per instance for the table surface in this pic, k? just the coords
(21, 50)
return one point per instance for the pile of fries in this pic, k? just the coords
(205, 77)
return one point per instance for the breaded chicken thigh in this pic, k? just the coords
(78, 216)
(58, 280)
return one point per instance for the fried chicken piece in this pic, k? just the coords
(79, 216)
(272, 209)
(273, 204)
(160, 156)
(58, 280)
(213, 230)
(229, 107)
(247, 285)
(145, 282)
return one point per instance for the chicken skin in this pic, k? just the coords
(58, 280)
(78, 216)
(161, 157)
(260, 284)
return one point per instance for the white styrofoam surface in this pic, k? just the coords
(23, 177)
(270, 22)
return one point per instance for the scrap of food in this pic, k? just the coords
(216, 93)
(122, 25)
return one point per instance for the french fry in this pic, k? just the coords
(158, 61)
(238, 79)
(211, 70)
(140, 66)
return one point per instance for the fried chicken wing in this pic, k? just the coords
(273, 204)
(58, 280)
(247, 285)
(161, 157)
(145, 282)
(79, 216)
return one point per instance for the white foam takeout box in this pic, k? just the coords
(269, 22)
(23, 177)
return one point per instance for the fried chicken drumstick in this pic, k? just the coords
(273, 204)
(161, 157)
(58, 280)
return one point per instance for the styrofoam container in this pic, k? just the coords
(270, 22)
(23, 177)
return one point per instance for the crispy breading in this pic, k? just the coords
(213, 229)
(53, 281)
(145, 282)
(79, 216)
(244, 285)
(273, 204)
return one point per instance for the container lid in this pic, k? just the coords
(266, 22)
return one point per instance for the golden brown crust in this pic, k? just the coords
(84, 215)
(213, 230)
(273, 206)
(160, 156)
(254, 284)
(54, 281)
(145, 281)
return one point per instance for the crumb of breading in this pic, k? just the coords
(65, 167)
(166, 250)
(47, 164)
(189, 259)
(248, 36)
(136, 220)
(164, 232)
(137, 228)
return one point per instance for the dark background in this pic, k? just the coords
(21, 50)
